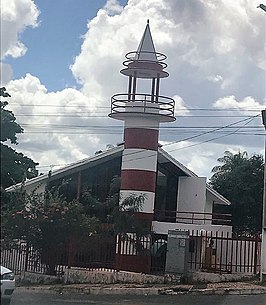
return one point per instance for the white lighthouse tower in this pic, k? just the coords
(142, 114)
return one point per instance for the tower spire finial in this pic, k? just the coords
(148, 21)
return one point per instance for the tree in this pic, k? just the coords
(51, 225)
(240, 180)
(121, 216)
(46, 222)
(15, 167)
(9, 128)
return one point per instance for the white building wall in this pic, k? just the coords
(191, 195)
(39, 187)
(209, 204)
(163, 227)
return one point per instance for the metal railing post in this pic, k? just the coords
(256, 253)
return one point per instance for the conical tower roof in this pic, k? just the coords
(145, 62)
(146, 49)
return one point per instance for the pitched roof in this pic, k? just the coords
(163, 156)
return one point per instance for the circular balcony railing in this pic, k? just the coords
(144, 57)
(145, 64)
(126, 105)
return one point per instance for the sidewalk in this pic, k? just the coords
(243, 288)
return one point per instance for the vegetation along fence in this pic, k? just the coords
(92, 254)
(208, 251)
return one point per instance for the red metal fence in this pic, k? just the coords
(126, 252)
(20, 257)
(208, 251)
(92, 254)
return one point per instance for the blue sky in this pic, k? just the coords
(56, 41)
(66, 56)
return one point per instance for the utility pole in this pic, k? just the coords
(263, 231)
(263, 235)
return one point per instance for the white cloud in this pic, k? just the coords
(39, 113)
(202, 158)
(215, 39)
(247, 106)
(113, 7)
(218, 43)
(16, 15)
(180, 107)
(215, 78)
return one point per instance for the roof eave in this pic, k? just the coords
(70, 167)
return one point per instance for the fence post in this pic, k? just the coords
(256, 253)
(118, 254)
(70, 253)
(27, 257)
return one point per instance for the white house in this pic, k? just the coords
(182, 199)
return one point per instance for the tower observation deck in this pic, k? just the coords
(145, 63)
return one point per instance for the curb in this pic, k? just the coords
(219, 291)
(94, 290)
(144, 291)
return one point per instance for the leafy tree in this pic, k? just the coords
(15, 167)
(119, 218)
(240, 179)
(46, 221)
(51, 224)
(9, 128)
(122, 217)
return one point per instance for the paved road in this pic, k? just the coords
(27, 297)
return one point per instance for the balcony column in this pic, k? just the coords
(153, 89)
(129, 88)
(134, 86)
(157, 87)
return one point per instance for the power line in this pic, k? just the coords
(206, 141)
(71, 126)
(247, 121)
(195, 144)
(216, 138)
(117, 133)
(216, 129)
(108, 107)
(64, 115)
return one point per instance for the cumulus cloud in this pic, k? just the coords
(16, 15)
(180, 107)
(247, 106)
(202, 158)
(216, 41)
(113, 7)
(45, 115)
(211, 46)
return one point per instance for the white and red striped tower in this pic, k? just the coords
(142, 114)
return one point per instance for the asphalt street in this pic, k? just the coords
(28, 297)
